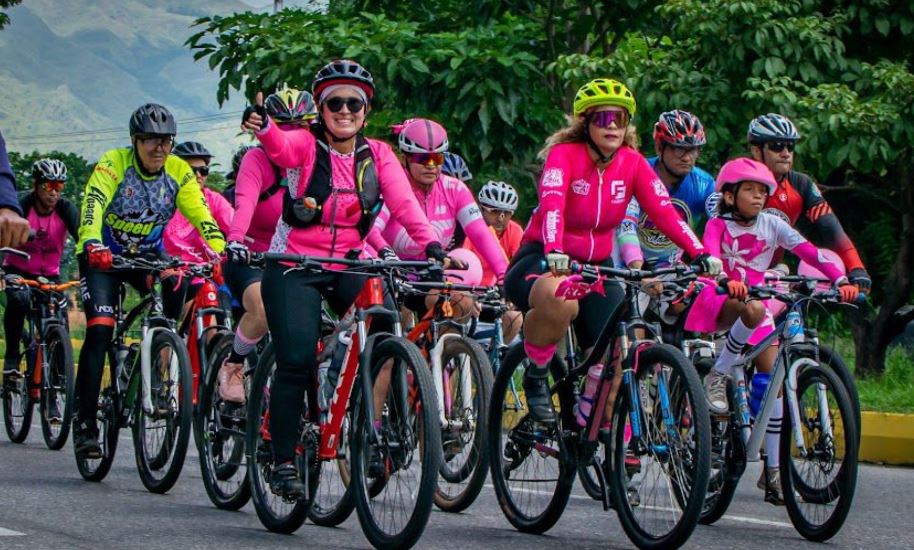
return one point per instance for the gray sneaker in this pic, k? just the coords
(716, 390)
(773, 492)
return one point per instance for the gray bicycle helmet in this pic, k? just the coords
(771, 127)
(191, 149)
(48, 169)
(499, 195)
(153, 119)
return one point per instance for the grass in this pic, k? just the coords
(893, 390)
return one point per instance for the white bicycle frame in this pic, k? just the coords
(146, 368)
(466, 381)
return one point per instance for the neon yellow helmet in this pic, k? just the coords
(603, 91)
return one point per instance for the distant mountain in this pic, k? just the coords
(72, 71)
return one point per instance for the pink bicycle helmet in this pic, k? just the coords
(745, 169)
(420, 135)
(472, 275)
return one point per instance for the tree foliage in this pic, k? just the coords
(4, 4)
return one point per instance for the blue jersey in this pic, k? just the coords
(695, 200)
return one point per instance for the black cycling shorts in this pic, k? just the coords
(98, 290)
(238, 277)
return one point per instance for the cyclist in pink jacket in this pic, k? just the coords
(447, 202)
(592, 171)
(323, 214)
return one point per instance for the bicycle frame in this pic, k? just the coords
(42, 315)
(205, 316)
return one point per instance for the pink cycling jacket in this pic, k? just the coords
(447, 203)
(297, 152)
(581, 205)
(255, 220)
(182, 240)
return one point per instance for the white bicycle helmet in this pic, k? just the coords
(499, 195)
(49, 169)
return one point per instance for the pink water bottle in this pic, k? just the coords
(585, 400)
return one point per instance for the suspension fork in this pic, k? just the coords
(794, 404)
(442, 382)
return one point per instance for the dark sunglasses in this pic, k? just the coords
(202, 170)
(157, 141)
(436, 159)
(606, 119)
(52, 186)
(354, 104)
(778, 146)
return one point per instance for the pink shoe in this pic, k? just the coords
(231, 382)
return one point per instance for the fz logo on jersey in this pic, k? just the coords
(617, 190)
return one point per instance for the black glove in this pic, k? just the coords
(388, 255)
(238, 253)
(435, 252)
(260, 110)
(858, 276)
(708, 264)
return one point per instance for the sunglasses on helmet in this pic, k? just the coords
(778, 146)
(354, 104)
(435, 159)
(606, 119)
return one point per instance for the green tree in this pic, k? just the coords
(4, 4)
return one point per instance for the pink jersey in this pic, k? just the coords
(182, 240)
(45, 249)
(297, 151)
(581, 205)
(747, 251)
(447, 203)
(255, 220)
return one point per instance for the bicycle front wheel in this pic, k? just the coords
(17, 403)
(826, 465)
(161, 436)
(57, 388)
(107, 421)
(333, 503)
(220, 433)
(531, 479)
(406, 456)
(660, 499)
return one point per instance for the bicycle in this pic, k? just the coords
(660, 402)
(463, 383)
(46, 374)
(147, 387)
(819, 436)
(407, 444)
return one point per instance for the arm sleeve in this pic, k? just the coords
(70, 217)
(399, 198)
(627, 234)
(790, 238)
(288, 149)
(833, 236)
(7, 181)
(470, 218)
(222, 211)
(375, 238)
(192, 204)
(713, 232)
(552, 191)
(99, 191)
(254, 175)
(654, 198)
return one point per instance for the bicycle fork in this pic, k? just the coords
(442, 381)
(146, 368)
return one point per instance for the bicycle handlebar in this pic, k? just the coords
(16, 280)
(260, 258)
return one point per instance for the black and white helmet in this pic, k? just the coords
(498, 195)
(49, 170)
(771, 127)
(191, 150)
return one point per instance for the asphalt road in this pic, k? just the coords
(45, 504)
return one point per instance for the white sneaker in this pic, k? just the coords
(716, 390)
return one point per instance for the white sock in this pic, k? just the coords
(773, 434)
(736, 339)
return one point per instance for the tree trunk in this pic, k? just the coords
(871, 335)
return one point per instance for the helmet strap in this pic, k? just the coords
(603, 158)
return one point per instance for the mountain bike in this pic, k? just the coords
(660, 403)
(463, 383)
(393, 505)
(819, 437)
(147, 386)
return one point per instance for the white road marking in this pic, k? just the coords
(10, 533)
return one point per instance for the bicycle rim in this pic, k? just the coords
(160, 437)
(108, 427)
(333, 502)
(659, 502)
(57, 390)
(408, 452)
(827, 466)
(531, 480)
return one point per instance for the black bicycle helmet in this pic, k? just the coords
(236, 160)
(343, 71)
(191, 149)
(290, 105)
(153, 119)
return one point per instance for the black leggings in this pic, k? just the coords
(293, 306)
(17, 307)
(594, 310)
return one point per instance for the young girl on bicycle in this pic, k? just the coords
(746, 239)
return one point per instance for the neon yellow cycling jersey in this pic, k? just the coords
(128, 211)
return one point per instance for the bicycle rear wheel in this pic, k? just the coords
(674, 450)
(467, 376)
(532, 481)
(58, 388)
(275, 513)
(161, 436)
(17, 403)
(407, 455)
(827, 466)
(219, 430)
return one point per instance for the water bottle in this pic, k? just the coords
(330, 369)
(326, 390)
(794, 324)
(759, 384)
(585, 400)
